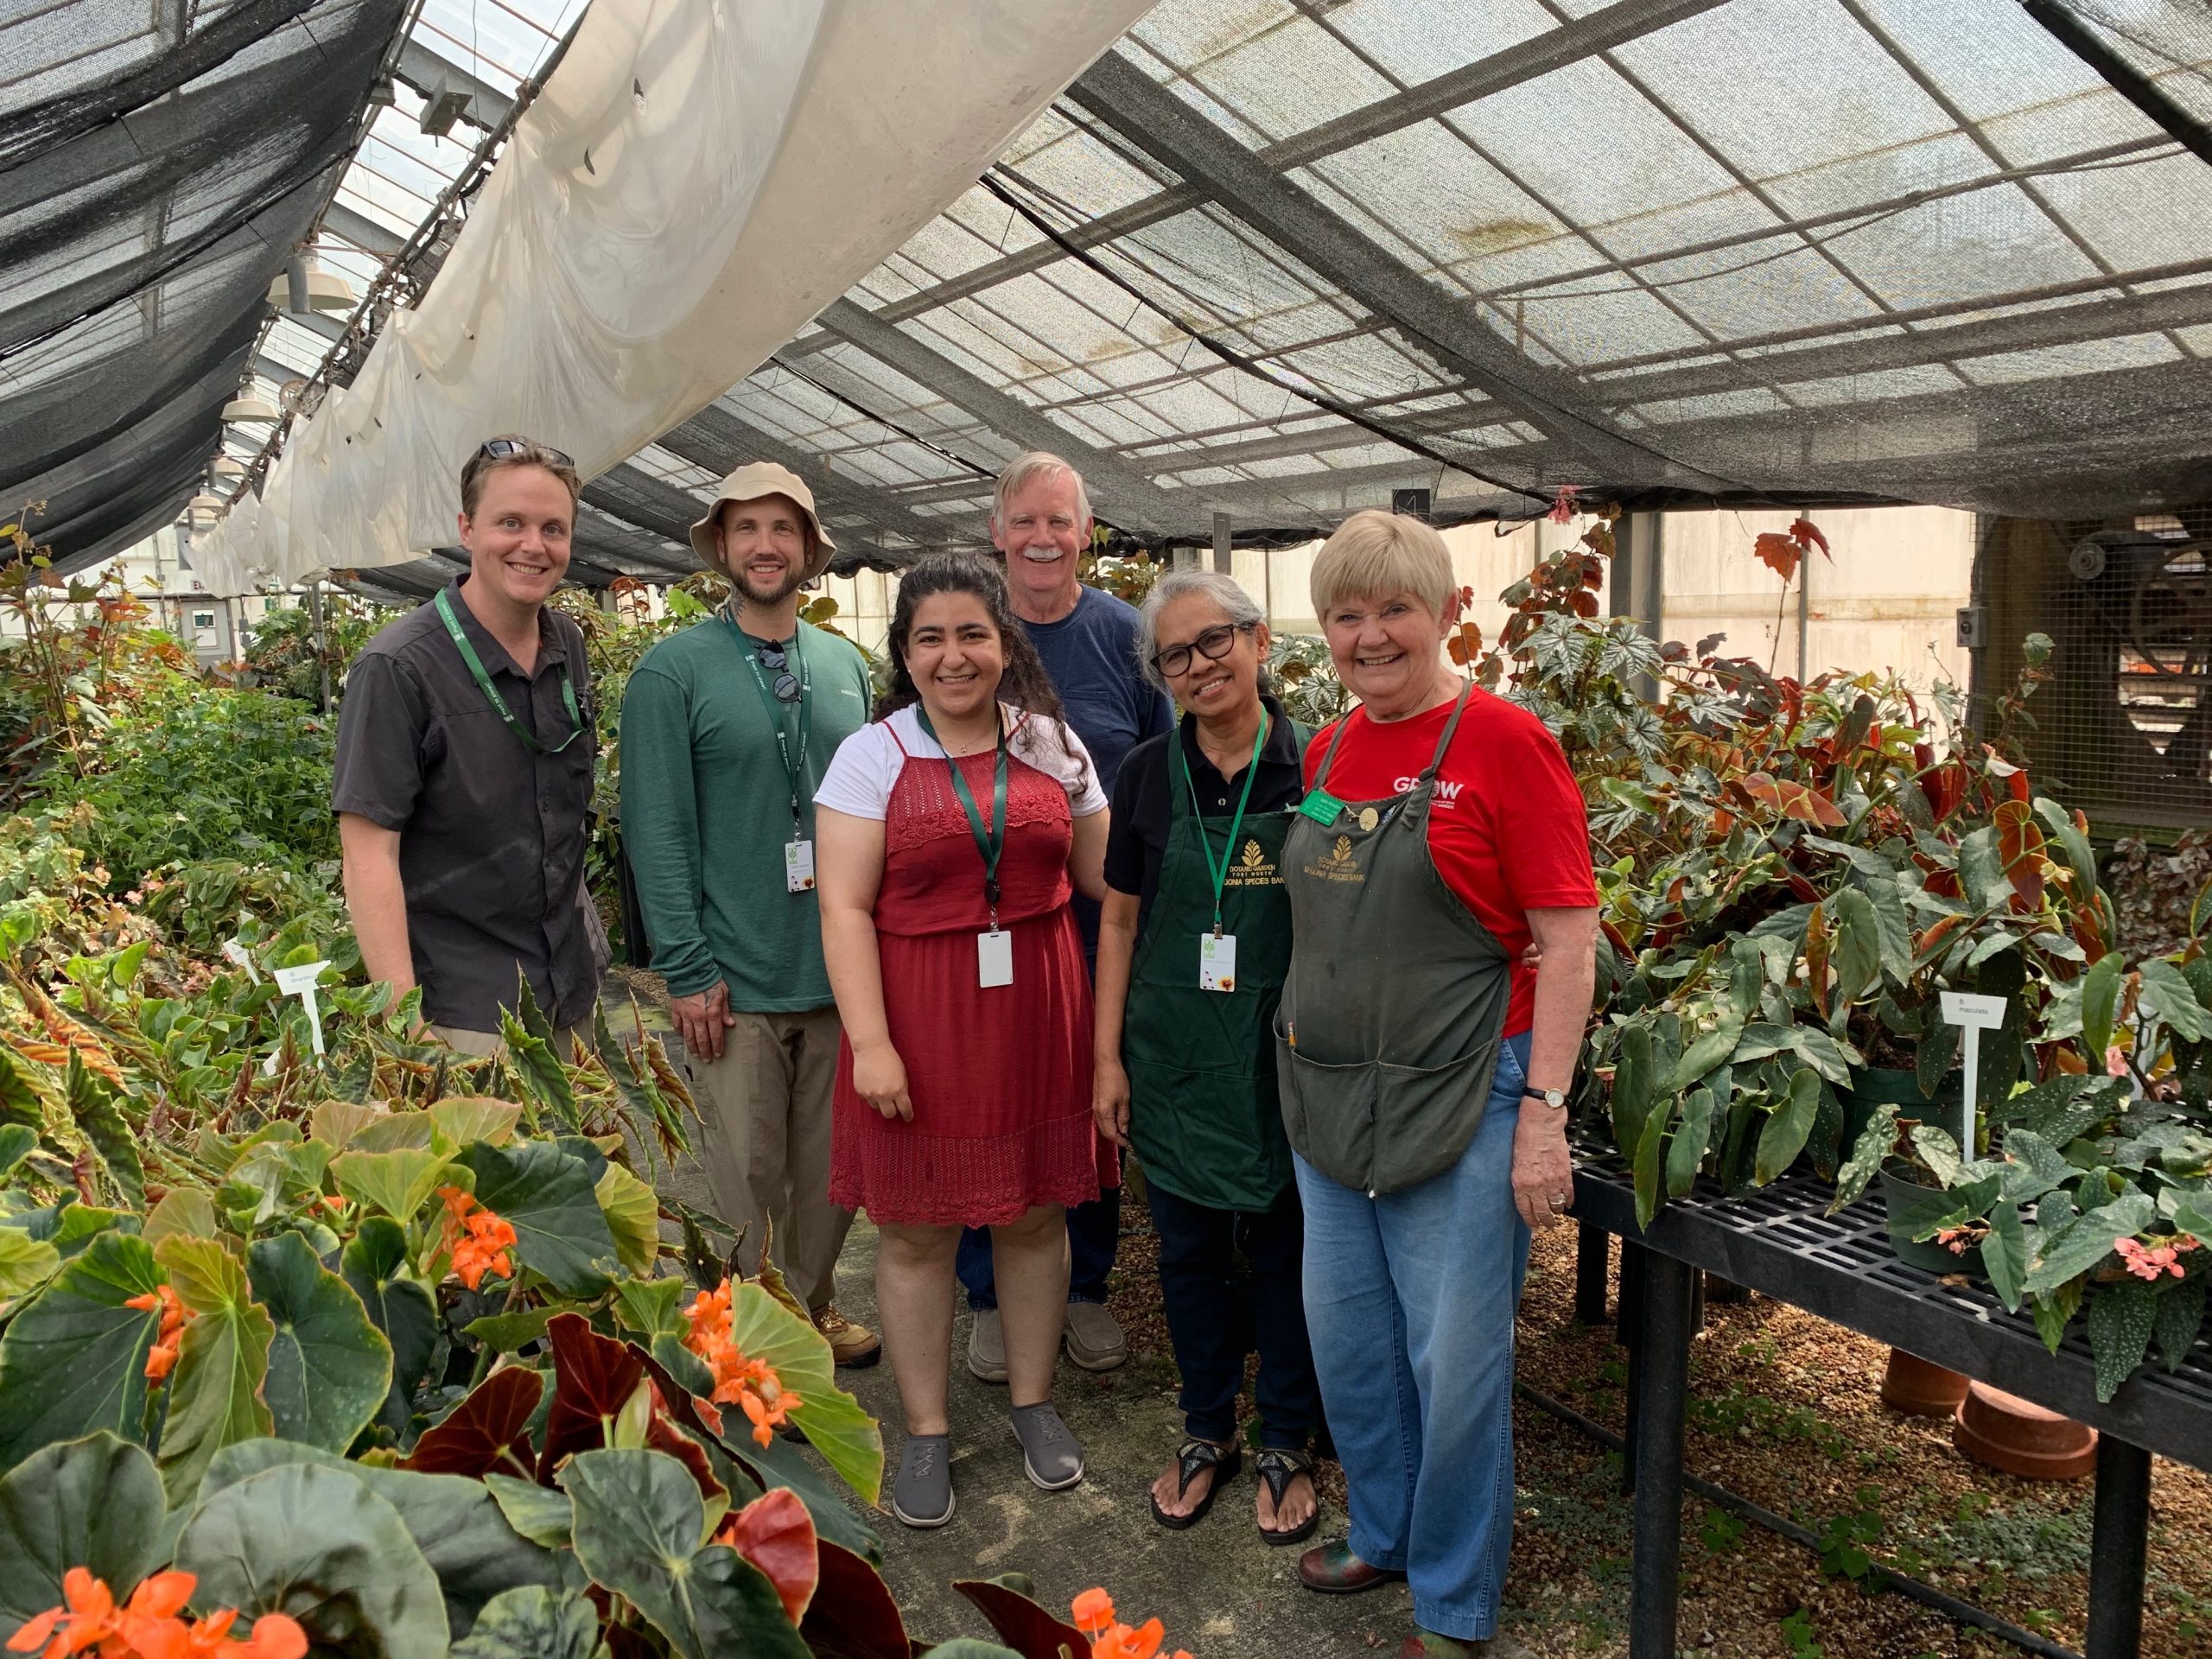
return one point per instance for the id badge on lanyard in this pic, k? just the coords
(1218, 950)
(993, 946)
(798, 866)
(994, 959)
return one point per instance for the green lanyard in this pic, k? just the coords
(794, 773)
(1220, 872)
(989, 843)
(491, 692)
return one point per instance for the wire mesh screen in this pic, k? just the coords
(2123, 728)
(158, 164)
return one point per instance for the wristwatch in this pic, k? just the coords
(1549, 1097)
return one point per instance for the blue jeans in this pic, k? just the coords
(1410, 1298)
(1094, 1234)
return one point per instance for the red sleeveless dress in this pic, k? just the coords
(1000, 1079)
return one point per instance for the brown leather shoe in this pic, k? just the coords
(851, 1344)
(1335, 1571)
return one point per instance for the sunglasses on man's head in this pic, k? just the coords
(500, 448)
(1213, 645)
(786, 682)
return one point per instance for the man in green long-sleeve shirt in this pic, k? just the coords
(727, 729)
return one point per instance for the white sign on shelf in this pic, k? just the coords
(237, 953)
(1975, 1013)
(300, 981)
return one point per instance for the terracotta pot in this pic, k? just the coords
(2021, 1438)
(1919, 1389)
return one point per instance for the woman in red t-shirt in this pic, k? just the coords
(1423, 1065)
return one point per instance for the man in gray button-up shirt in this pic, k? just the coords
(464, 772)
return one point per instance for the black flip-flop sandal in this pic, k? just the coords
(1279, 1466)
(1190, 1458)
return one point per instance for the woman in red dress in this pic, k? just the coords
(951, 832)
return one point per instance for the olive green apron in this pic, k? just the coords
(1396, 996)
(1204, 1117)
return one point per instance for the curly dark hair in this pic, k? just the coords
(1024, 683)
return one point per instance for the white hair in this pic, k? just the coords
(1238, 606)
(1037, 463)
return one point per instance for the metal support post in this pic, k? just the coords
(2117, 1550)
(1628, 1330)
(1655, 1590)
(1593, 1261)
(1223, 557)
(320, 640)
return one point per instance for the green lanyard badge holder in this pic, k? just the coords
(475, 665)
(993, 949)
(1218, 950)
(799, 852)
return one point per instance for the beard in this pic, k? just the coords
(774, 594)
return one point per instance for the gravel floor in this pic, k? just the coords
(1785, 1412)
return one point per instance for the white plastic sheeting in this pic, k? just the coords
(697, 180)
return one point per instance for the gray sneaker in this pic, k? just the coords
(1050, 1455)
(986, 1346)
(922, 1495)
(1094, 1341)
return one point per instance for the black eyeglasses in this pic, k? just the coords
(1213, 645)
(786, 682)
(500, 448)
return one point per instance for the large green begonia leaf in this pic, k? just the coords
(846, 1436)
(399, 1182)
(329, 1366)
(215, 1397)
(81, 1331)
(25, 1263)
(313, 1541)
(547, 1196)
(374, 1264)
(534, 1622)
(637, 1524)
(457, 1524)
(95, 1503)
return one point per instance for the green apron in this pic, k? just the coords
(1396, 996)
(1204, 1117)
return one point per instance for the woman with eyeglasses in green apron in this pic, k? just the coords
(1424, 1058)
(1193, 943)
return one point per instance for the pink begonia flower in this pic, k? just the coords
(2153, 1263)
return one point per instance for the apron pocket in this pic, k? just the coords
(1328, 1113)
(1425, 1115)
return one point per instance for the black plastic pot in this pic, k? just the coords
(1913, 1207)
(1876, 1085)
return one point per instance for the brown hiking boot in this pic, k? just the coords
(851, 1344)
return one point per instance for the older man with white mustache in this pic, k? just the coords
(1041, 523)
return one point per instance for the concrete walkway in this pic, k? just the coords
(1220, 1590)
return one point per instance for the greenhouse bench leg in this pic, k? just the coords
(1663, 1387)
(1593, 1252)
(2117, 1550)
(1629, 1331)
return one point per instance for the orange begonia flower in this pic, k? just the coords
(1093, 1611)
(163, 1356)
(150, 1626)
(479, 1241)
(749, 1384)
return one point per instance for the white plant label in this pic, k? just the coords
(1975, 1013)
(300, 981)
(237, 953)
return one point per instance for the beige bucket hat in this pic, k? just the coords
(750, 483)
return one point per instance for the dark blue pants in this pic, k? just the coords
(1094, 1234)
(1216, 1315)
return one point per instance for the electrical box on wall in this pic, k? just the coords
(1973, 627)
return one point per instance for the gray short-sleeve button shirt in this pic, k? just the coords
(492, 834)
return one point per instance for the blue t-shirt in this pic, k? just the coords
(1090, 654)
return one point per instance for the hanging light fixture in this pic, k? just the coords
(204, 508)
(222, 470)
(325, 290)
(248, 406)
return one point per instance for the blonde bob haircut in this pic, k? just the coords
(1375, 555)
